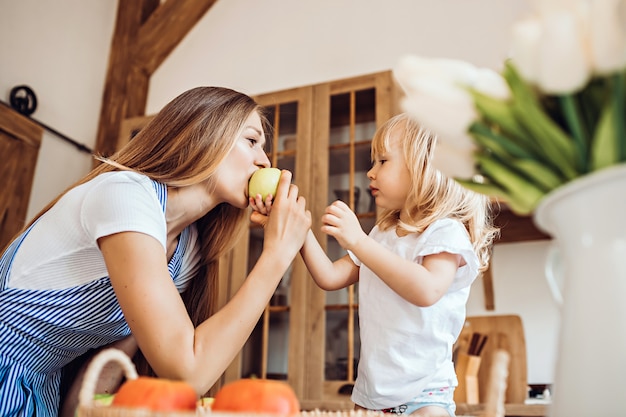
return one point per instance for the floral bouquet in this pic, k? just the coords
(554, 113)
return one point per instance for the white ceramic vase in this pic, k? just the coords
(587, 219)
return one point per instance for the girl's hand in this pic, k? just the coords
(341, 223)
(258, 205)
(260, 209)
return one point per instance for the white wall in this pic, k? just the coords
(60, 48)
(520, 288)
(259, 47)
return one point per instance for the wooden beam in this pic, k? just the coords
(146, 31)
(490, 304)
(130, 16)
(165, 28)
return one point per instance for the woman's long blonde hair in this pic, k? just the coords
(182, 145)
(433, 195)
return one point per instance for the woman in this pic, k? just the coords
(111, 256)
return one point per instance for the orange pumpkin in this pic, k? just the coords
(264, 396)
(156, 394)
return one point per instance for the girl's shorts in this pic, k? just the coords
(440, 397)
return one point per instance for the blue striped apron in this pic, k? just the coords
(41, 331)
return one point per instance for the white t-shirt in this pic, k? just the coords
(61, 250)
(405, 348)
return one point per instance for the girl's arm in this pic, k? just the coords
(155, 312)
(327, 275)
(422, 285)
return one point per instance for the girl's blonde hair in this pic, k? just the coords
(182, 145)
(433, 195)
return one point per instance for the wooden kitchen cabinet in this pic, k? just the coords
(321, 133)
(276, 347)
(348, 112)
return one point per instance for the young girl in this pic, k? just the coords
(133, 248)
(414, 271)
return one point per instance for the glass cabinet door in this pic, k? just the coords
(322, 134)
(352, 127)
(274, 350)
(267, 349)
(350, 110)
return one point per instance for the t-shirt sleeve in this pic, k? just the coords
(123, 203)
(450, 236)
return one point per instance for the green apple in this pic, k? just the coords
(264, 181)
(103, 399)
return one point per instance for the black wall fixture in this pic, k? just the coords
(22, 99)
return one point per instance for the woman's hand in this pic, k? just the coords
(341, 223)
(287, 221)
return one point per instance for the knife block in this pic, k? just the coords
(467, 367)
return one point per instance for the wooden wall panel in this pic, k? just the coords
(20, 139)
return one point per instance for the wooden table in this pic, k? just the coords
(462, 409)
(510, 410)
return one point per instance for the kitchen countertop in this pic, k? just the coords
(520, 410)
(462, 409)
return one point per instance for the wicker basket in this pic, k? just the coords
(86, 405)
(88, 408)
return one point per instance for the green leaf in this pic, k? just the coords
(575, 122)
(499, 144)
(619, 100)
(493, 190)
(542, 176)
(592, 99)
(518, 188)
(556, 146)
(500, 114)
(605, 146)
(609, 140)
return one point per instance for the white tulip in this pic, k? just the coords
(453, 71)
(526, 37)
(607, 35)
(564, 65)
(454, 162)
(437, 94)
(411, 66)
(543, 7)
(441, 107)
(490, 83)
(552, 49)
